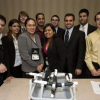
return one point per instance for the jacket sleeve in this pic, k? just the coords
(81, 50)
(88, 58)
(6, 54)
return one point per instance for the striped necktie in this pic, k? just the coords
(66, 42)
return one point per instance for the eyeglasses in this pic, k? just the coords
(54, 20)
(98, 19)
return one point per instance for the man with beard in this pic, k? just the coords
(55, 22)
(40, 19)
(75, 47)
(84, 25)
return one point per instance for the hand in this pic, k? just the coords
(94, 72)
(2, 68)
(8, 79)
(78, 71)
(98, 71)
(39, 67)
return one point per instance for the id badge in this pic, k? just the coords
(46, 61)
(35, 54)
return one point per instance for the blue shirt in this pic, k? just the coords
(70, 32)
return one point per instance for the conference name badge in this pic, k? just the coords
(35, 54)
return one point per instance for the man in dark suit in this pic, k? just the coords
(3, 68)
(87, 28)
(75, 47)
(55, 22)
(84, 25)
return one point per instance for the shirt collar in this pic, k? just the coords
(70, 30)
(86, 25)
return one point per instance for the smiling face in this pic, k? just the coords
(30, 27)
(83, 18)
(15, 28)
(69, 22)
(48, 32)
(2, 24)
(40, 20)
(55, 21)
(23, 18)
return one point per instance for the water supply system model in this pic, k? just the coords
(52, 86)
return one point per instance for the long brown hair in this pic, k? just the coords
(9, 34)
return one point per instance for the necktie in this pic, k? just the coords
(66, 42)
(99, 51)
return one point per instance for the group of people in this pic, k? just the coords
(31, 46)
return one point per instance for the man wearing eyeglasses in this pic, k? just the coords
(92, 57)
(55, 22)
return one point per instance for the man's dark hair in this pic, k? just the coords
(55, 16)
(39, 14)
(96, 16)
(3, 18)
(84, 11)
(69, 14)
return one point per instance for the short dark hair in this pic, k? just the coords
(49, 24)
(3, 18)
(55, 16)
(96, 16)
(39, 14)
(29, 19)
(84, 11)
(70, 14)
(22, 13)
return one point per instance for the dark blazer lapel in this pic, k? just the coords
(72, 35)
(89, 29)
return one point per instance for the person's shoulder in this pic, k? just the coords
(5, 37)
(77, 26)
(58, 40)
(92, 26)
(23, 34)
(92, 33)
(61, 28)
(36, 35)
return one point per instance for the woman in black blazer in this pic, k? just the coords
(53, 49)
(11, 51)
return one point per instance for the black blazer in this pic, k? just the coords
(90, 28)
(56, 55)
(76, 50)
(9, 53)
(60, 30)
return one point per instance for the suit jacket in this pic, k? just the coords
(90, 28)
(60, 30)
(26, 44)
(76, 50)
(56, 55)
(9, 53)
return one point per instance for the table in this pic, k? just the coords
(18, 89)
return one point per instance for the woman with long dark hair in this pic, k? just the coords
(11, 51)
(53, 49)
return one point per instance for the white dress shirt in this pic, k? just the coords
(18, 60)
(0, 38)
(84, 29)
